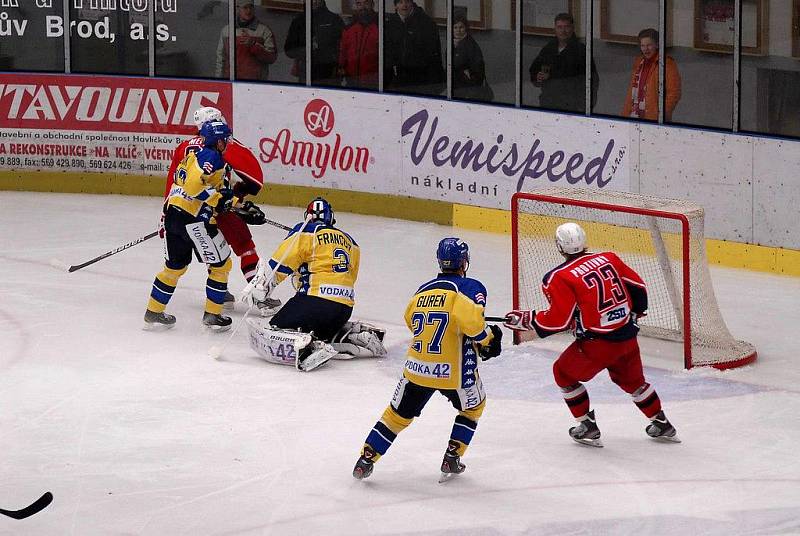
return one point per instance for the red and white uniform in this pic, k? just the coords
(596, 290)
(597, 294)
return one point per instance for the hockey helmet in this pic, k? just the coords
(214, 131)
(320, 210)
(570, 239)
(453, 255)
(206, 114)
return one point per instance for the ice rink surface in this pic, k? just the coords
(138, 432)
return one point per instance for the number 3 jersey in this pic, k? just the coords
(325, 259)
(596, 290)
(445, 317)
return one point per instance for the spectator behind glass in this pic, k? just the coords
(358, 51)
(326, 31)
(255, 47)
(469, 70)
(642, 98)
(412, 51)
(560, 70)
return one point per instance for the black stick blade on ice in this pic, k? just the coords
(40, 504)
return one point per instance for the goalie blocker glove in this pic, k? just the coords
(494, 347)
(520, 320)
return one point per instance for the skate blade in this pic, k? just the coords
(217, 329)
(447, 477)
(588, 442)
(667, 439)
(155, 326)
(228, 306)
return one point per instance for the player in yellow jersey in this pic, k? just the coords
(197, 194)
(325, 262)
(449, 332)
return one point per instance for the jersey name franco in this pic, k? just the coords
(326, 260)
(445, 317)
(599, 291)
(197, 180)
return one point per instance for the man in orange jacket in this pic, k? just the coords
(642, 98)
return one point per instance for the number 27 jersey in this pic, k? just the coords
(599, 291)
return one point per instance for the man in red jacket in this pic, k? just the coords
(255, 47)
(599, 297)
(358, 49)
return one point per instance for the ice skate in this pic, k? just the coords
(230, 299)
(266, 306)
(661, 429)
(587, 432)
(365, 464)
(314, 355)
(157, 321)
(216, 322)
(451, 464)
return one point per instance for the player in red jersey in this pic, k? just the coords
(247, 180)
(599, 297)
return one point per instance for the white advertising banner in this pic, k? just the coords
(429, 149)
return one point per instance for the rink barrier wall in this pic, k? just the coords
(720, 252)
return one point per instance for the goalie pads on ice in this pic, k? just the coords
(359, 339)
(288, 347)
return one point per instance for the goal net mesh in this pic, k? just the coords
(649, 234)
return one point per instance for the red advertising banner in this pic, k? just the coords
(108, 104)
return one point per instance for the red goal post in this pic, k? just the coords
(662, 239)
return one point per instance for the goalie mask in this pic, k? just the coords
(453, 255)
(570, 239)
(321, 210)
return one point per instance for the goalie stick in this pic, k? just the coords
(112, 252)
(40, 504)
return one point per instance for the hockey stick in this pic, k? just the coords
(40, 504)
(216, 351)
(271, 222)
(494, 318)
(113, 252)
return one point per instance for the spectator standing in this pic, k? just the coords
(412, 51)
(642, 98)
(326, 32)
(255, 47)
(469, 69)
(358, 51)
(560, 70)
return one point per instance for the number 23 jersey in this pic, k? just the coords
(599, 291)
(445, 317)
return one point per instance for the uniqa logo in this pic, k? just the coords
(318, 118)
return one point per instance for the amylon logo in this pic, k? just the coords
(320, 156)
(90, 103)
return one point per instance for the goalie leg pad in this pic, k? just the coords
(281, 346)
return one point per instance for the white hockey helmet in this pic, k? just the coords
(570, 238)
(205, 114)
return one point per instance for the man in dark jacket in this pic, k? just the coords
(326, 31)
(560, 70)
(412, 52)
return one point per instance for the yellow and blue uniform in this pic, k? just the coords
(326, 260)
(198, 179)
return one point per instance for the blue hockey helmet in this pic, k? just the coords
(320, 210)
(453, 255)
(214, 131)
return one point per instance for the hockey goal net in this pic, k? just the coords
(662, 239)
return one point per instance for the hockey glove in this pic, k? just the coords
(225, 201)
(161, 231)
(251, 214)
(519, 320)
(493, 348)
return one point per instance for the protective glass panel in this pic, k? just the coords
(109, 37)
(189, 39)
(483, 52)
(626, 64)
(358, 51)
(255, 44)
(414, 51)
(553, 57)
(706, 80)
(326, 34)
(33, 37)
(770, 101)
